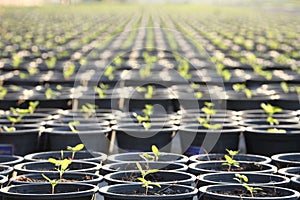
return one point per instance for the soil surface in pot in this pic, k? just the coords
(242, 167)
(41, 180)
(259, 193)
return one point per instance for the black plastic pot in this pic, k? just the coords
(88, 156)
(256, 179)
(135, 156)
(65, 191)
(35, 118)
(128, 192)
(216, 166)
(286, 160)
(6, 170)
(23, 141)
(10, 160)
(45, 166)
(260, 114)
(136, 138)
(196, 139)
(63, 122)
(72, 177)
(289, 171)
(160, 177)
(3, 181)
(211, 193)
(238, 157)
(129, 166)
(295, 183)
(260, 141)
(95, 138)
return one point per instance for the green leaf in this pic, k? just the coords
(78, 147)
(155, 151)
(139, 167)
(151, 171)
(275, 130)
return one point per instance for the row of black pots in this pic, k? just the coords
(129, 99)
(273, 178)
(133, 137)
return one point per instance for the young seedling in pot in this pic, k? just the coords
(88, 110)
(242, 87)
(270, 111)
(53, 183)
(145, 119)
(101, 90)
(230, 162)
(72, 126)
(62, 165)
(155, 156)
(208, 111)
(75, 149)
(145, 183)
(242, 179)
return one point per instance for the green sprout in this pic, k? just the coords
(242, 179)
(88, 109)
(75, 149)
(149, 93)
(50, 62)
(3, 92)
(285, 87)
(49, 93)
(242, 87)
(7, 129)
(183, 69)
(109, 72)
(270, 111)
(62, 165)
(155, 157)
(17, 60)
(209, 111)
(230, 162)
(53, 183)
(69, 70)
(145, 183)
(101, 90)
(72, 126)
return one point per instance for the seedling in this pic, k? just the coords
(72, 126)
(15, 120)
(3, 92)
(17, 60)
(88, 109)
(69, 70)
(155, 156)
(230, 162)
(270, 111)
(101, 90)
(146, 184)
(183, 69)
(62, 165)
(7, 129)
(276, 130)
(75, 149)
(50, 62)
(209, 111)
(50, 94)
(149, 93)
(145, 71)
(147, 112)
(285, 87)
(242, 87)
(109, 72)
(53, 183)
(242, 179)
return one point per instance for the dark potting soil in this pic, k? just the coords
(257, 193)
(242, 167)
(29, 180)
(161, 192)
(150, 177)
